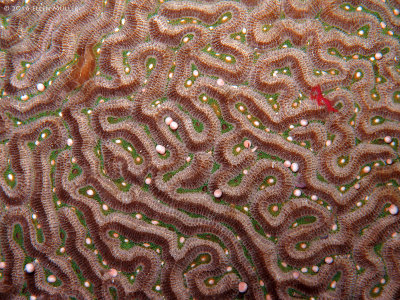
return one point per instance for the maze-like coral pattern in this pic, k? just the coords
(172, 149)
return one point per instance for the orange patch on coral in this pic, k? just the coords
(85, 67)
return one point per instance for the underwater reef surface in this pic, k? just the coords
(199, 149)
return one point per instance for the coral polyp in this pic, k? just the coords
(199, 149)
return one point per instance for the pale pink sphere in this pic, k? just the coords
(294, 167)
(393, 209)
(247, 143)
(160, 149)
(387, 139)
(220, 82)
(113, 272)
(173, 125)
(217, 193)
(329, 260)
(40, 87)
(168, 120)
(303, 122)
(30, 268)
(296, 274)
(243, 287)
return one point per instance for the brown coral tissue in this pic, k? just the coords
(172, 149)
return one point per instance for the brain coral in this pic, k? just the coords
(199, 149)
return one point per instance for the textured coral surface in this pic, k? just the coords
(188, 150)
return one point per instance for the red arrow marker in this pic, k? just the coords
(316, 94)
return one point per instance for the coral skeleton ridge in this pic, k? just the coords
(169, 149)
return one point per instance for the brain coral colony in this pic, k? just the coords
(166, 149)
